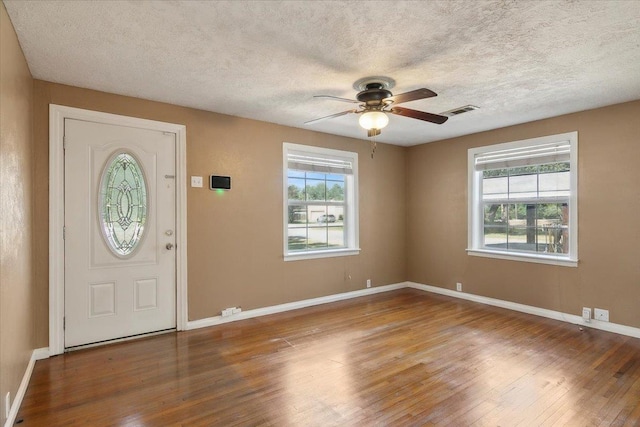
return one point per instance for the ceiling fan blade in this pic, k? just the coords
(337, 98)
(410, 96)
(330, 117)
(420, 115)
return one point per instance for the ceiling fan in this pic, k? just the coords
(376, 100)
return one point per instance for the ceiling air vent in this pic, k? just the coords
(460, 110)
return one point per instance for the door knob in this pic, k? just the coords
(169, 246)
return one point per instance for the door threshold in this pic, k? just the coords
(117, 340)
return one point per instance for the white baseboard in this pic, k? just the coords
(523, 308)
(551, 314)
(40, 353)
(217, 320)
(37, 354)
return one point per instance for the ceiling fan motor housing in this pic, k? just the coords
(373, 94)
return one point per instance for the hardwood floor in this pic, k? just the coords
(402, 358)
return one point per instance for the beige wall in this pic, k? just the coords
(608, 275)
(235, 239)
(16, 254)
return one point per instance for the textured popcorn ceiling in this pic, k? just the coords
(517, 60)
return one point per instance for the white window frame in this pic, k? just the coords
(351, 225)
(475, 205)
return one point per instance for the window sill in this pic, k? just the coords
(540, 259)
(321, 254)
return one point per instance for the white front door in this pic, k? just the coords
(119, 213)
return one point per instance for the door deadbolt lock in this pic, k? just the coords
(169, 232)
(169, 246)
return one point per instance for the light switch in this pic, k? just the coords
(196, 181)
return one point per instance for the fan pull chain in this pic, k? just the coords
(374, 145)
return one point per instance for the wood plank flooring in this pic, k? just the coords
(402, 358)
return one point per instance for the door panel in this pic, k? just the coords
(119, 182)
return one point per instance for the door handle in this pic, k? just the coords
(169, 246)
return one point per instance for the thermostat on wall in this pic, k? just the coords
(219, 182)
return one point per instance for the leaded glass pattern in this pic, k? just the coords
(123, 204)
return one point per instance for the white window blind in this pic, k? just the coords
(324, 164)
(556, 152)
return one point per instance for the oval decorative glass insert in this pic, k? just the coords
(123, 203)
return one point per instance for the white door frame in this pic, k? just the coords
(57, 115)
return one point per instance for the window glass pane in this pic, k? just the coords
(297, 239)
(318, 221)
(521, 228)
(549, 213)
(316, 189)
(554, 167)
(553, 239)
(297, 214)
(495, 214)
(317, 214)
(496, 188)
(523, 186)
(523, 170)
(495, 173)
(554, 184)
(495, 226)
(123, 204)
(338, 212)
(316, 175)
(297, 227)
(335, 235)
(295, 174)
(296, 189)
(335, 191)
(318, 236)
(554, 226)
(327, 228)
(495, 236)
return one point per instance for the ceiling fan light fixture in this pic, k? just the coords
(373, 120)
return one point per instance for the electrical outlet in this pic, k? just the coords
(368, 283)
(7, 404)
(586, 314)
(601, 315)
(459, 287)
(236, 310)
(227, 312)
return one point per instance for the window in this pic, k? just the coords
(123, 204)
(523, 200)
(320, 197)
